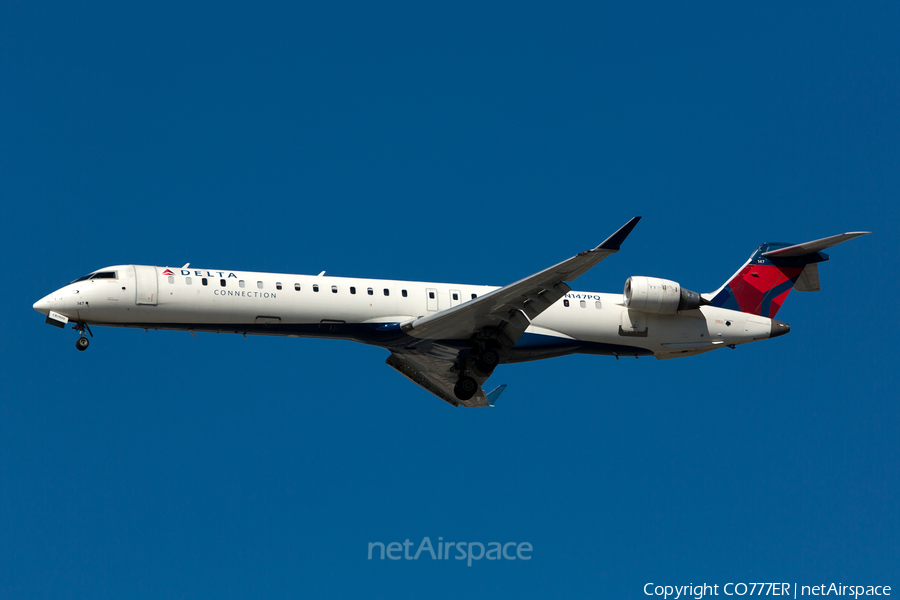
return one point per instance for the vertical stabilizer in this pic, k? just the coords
(762, 285)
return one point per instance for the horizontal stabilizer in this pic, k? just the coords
(814, 246)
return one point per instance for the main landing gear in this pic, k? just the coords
(487, 360)
(82, 342)
(465, 387)
(483, 359)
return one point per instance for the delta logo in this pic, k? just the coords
(168, 272)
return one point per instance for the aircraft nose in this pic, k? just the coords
(779, 328)
(42, 305)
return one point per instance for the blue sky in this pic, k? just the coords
(467, 143)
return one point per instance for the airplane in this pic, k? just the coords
(448, 338)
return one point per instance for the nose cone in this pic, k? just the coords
(779, 328)
(42, 305)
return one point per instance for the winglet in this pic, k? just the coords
(614, 242)
(494, 394)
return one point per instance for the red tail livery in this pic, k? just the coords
(761, 286)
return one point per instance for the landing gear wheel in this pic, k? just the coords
(82, 343)
(465, 388)
(487, 361)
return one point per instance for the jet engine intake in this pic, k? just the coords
(659, 296)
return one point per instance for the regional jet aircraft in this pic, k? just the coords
(448, 337)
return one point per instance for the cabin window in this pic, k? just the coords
(474, 296)
(187, 280)
(259, 284)
(241, 283)
(403, 293)
(455, 296)
(222, 282)
(583, 304)
(369, 291)
(315, 287)
(296, 287)
(566, 303)
(204, 281)
(277, 285)
(387, 292)
(352, 290)
(431, 295)
(597, 304)
(334, 289)
(171, 279)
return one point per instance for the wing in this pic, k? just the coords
(507, 312)
(438, 377)
(492, 322)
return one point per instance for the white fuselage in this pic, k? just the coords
(373, 310)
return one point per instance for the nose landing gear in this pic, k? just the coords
(82, 342)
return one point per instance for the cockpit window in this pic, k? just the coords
(99, 275)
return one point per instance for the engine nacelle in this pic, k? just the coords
(659, 296)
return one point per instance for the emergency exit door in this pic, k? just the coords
(431, 299)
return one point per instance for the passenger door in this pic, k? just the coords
(146, 285)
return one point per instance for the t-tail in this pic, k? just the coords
(761, 286)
